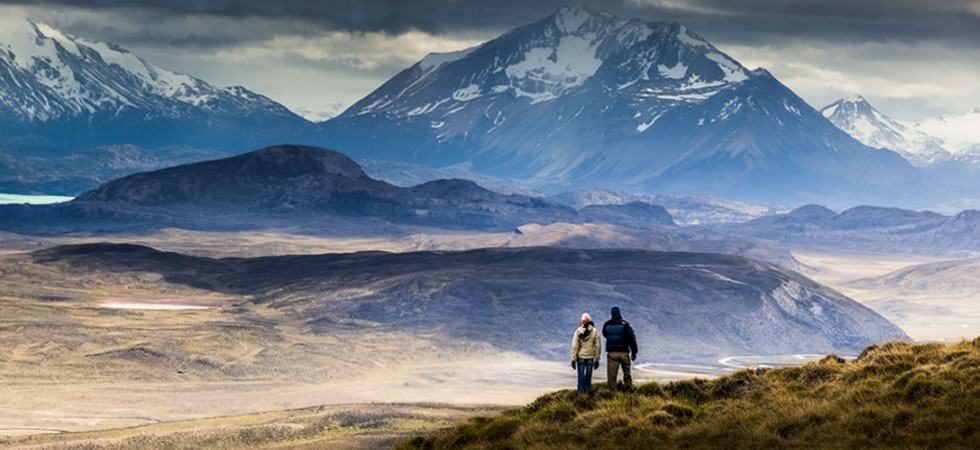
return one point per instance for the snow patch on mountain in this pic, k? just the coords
(468, 93)
(969, 155)
(734, 73)
(678, 72)
(643, 126)
(686, 37)
(546, 73)
(958, 132)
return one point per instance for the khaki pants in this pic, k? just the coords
(613, 361)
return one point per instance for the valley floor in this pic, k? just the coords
(83, 352)
(100, 355)
(345, 427)
(933, 315)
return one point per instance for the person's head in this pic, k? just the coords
(586, 318)
(616, 314)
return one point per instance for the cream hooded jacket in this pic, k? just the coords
(586, 343)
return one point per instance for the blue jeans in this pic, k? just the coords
(584, 375)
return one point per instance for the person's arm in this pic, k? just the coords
(598, 350)
(632, 338)
(575, 346)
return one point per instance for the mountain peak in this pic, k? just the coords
(53, 79)
(857, 117)
(53, 75)
(568, 52)
(573, 10)
(570, 19)
(304, 158)
(51, 32)
(581, 96)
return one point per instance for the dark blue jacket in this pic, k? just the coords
(619, 334)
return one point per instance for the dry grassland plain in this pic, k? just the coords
(99, 354)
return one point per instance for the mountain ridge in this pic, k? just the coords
(68, 91)
(868, 228)
(587, 98)
(858, 118)
(302, 184)
(730, 304)
(959, 132)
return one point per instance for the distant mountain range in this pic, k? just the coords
(64, 93)
(857, 117)
(78, 171)
(322, 191)
(686, 210)
(575, 101)
(936, 141)
(959, 133)
(867, 228)
(582, 98)
(297, 186)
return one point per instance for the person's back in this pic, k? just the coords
(586, 350)
(621, 349)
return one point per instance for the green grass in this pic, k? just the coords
(899, 395)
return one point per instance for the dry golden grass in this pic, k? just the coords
(347, 426)
(70, 364)
(898, 395)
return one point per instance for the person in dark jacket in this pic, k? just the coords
(620, 349)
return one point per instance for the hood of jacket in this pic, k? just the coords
(616, 314)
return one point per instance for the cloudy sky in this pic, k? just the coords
(912, 58)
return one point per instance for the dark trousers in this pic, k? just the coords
(584, 367)
(613, 362)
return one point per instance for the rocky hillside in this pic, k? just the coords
(291, 186)
(939, 279)
(685, 306)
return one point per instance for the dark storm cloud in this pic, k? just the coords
(750, 21)
(737, 21)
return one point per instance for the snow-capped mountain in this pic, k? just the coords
(969, 155)
(67, 90)
(858, 118)
(586, 99)
(958, 133)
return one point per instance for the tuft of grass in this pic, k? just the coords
(897, 395)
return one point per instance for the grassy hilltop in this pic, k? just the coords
(898, 395)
